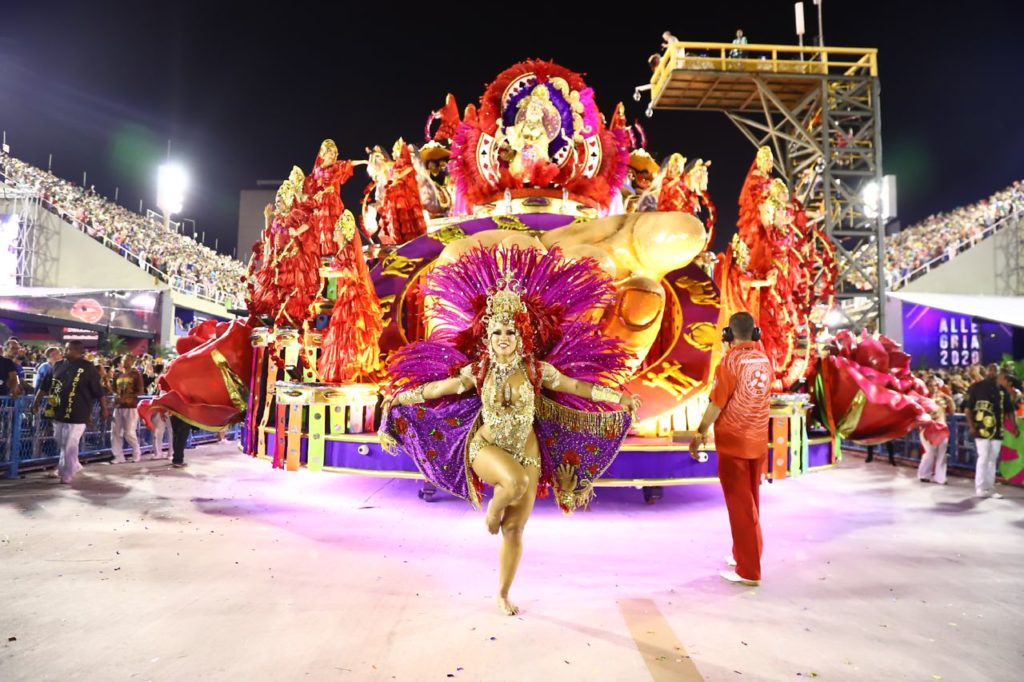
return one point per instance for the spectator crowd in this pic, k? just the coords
(30, 365)
(941, 237)
(181, 261)
(954, 382)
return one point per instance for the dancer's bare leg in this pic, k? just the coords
(496, 467)
(512, 525)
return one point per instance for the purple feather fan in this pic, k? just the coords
(568, 289)
(566, 292)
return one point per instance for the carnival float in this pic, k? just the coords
(534, 168)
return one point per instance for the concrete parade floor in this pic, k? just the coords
(229, 570)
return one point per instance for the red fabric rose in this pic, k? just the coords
(571, 457)
(402, 425)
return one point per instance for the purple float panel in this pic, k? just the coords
(660, 464)
(630, 465)
(352, 455)
(349, 455)
(819, 454)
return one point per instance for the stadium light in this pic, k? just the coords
(171, 183)
(871, 195)
(880, 199)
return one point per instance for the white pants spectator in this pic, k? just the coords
(933, 462)
(68, 437)
(985, 468)
(124, 427)
(160, 450)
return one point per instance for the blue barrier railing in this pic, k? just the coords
(961, 451)
(26, 440)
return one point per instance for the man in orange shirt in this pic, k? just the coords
(739, 407)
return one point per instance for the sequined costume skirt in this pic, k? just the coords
(440, 439)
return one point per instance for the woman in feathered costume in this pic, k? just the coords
(351, 346)
(324, 186)
(289, 278)
(509, 389)
(401, 213)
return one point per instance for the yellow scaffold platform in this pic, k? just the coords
(717, 76)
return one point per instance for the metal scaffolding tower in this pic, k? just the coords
(818, 109)
(32, 253)
(1009, 253)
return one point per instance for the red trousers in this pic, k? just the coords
(741, 483)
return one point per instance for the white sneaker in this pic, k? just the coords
(983, 493)
(118, 461)
(734, 577)
(996, 496)
(730, 561)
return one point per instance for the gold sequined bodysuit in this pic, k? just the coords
(509, 419)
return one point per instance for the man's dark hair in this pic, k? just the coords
(76, 346)
(742, 325)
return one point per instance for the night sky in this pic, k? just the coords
(245, 93)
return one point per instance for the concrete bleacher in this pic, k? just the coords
(992, 267)
(68, 258)
(146, 240)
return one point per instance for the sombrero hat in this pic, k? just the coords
(433, 151)
(640, 160)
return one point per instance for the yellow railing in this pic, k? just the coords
(754, 58)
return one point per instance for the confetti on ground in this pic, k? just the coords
(12, 639)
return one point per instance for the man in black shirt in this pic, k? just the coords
(986, 406)
(71, 390)
(9, 384)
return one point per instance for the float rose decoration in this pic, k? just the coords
(208, 385)
(867, 393)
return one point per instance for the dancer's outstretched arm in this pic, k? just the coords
(556, 381)
(435, 389)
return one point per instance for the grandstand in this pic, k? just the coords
(185, 266)
(920, 248)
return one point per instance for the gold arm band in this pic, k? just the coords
(604, 394)
(411, 397)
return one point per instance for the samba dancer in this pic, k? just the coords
(490, 422)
